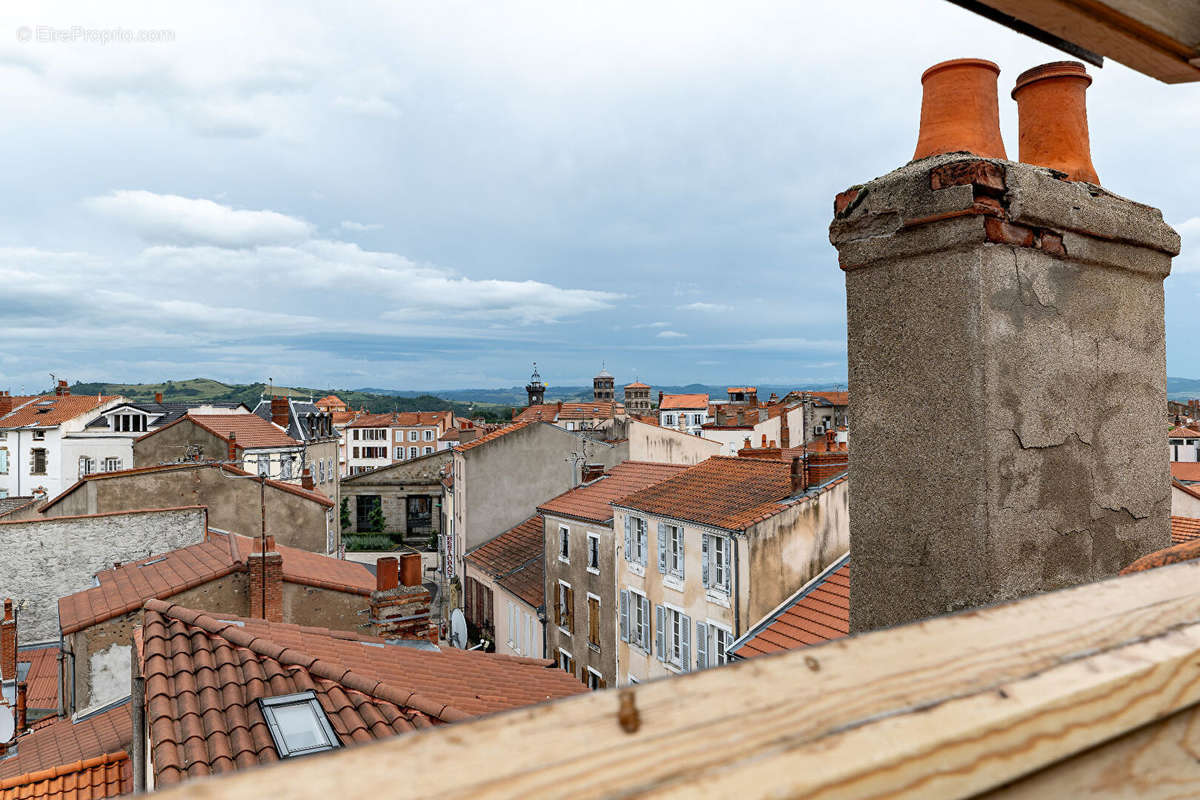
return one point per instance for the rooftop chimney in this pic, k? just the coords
(306, 478)
(279, 411)
(400, 606)
(591, 472)
(265, 570)
(1052, 115)
(6, 403)
(22, 706)
(232, 454)
(799, 475)
(8, 643)
(158, 397)
(785, 435)
(1006, 336)
(61, 389)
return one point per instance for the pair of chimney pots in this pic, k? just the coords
(960, 112)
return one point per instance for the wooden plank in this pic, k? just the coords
(1155, 37)
(944, 708)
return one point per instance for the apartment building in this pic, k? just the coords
(685, 412)
(709, 552)
(377, 440)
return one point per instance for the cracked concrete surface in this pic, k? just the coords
(1008, 401)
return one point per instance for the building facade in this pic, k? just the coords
(686, 412)
(637, 398)
(408, 494)
(377, 440)
(603, 387)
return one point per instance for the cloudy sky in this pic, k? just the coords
(433, 195)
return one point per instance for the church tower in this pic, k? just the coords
(536, 389)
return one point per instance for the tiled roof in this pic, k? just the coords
(1184, 529)
(688, 401)
(592, 501)
(730, 493)
(1187, 471)
(516, 559)
(819, 612)
(251, 430)
(331, 400)
(42, 679)
(636, 385)
(1183, 433)
(204, 676)
(552, 412)
(64, 742)
(309, 494)
(742, 389)
(496, 434)
(343, 417)
(833, 398)
(128, 587)
(401, 419)
(1184, 551)
(47, 411)
(108, 775)
(451, 435)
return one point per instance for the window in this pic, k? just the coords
(285, 467)
(298, 724)
(412, 436)
(374, 435)
(668, 419)
(635, 619)
(39, 436)
(355, 434)
(564, 544)
(570, 426)
(374, 452)
(399, 453)
(564, 616)
(593, 540)
(429, 436)
(566, 662)
(670, 549)
(86, 466)
(38, 461)
(594, 679)
(635, 540)
(321, 471)
(593, 603)
(428, 450)
(715, 562)
(412, 452)
(712, 645)
(112, 464)
(355, 454)
(673, 636)
(697, 419)
(3, 493)
(264, 466)
(3, 460)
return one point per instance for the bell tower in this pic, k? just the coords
(536, 389)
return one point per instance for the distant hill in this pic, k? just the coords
(1183, 389)
(206, 389)
(515, 395)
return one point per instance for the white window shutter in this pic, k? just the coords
(682, 552)
(701, 645)
(660, 631)
(624, 615)
(628, 538)
(727, 544)
(685, 646)
(662, 547)
(645, 601)
(704, 558)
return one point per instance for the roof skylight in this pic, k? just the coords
(298, 724)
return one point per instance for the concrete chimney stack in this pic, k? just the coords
(1007, 363)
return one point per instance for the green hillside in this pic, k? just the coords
(206, 389)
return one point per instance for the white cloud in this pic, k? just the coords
(368, 106)
(168, 218)
(652, 325)
(713, 307)
(671, 335)
(350, 225)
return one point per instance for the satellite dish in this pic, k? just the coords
(8, 722)
(458, 629)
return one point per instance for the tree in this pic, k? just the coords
(345, 514)
(375, 519)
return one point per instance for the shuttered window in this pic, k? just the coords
(37, 461)
(594, 621)
(701, 645)
(564, 614)
(715, 560)
(624, 615)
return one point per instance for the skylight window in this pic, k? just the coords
(298, 725)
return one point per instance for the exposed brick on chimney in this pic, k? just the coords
(8, 643)
(306, 479)
(401, 613)
(842, 202)
(824, 467)
(62, 390)
(232, 454)
(266, 569)
(997, 230)
(6, 403)
(279, 411)
(984, 174)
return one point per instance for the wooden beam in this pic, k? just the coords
(1160, 38)
(950, 707)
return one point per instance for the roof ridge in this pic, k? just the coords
(59, 771)
(321, 668)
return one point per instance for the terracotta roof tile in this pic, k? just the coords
(1183, 433)
(47, 411)
(636, 385)
(204, 677)
(496, 434)
(401, 419)
(1188, 471)
(730, 493)
(1184, 529)
(688, 401)
(819, 612)
(128, 587)
(553, 412)
(107, 775)
(592, 501)
(64, 742)
(42, 679)
(834, 398)
(516, 559)
(1186, 550)
(252, 430)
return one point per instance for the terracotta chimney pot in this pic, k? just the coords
(959, 109)
(1052, 111)
(410, 569)
(158, 397)
(387, 573)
